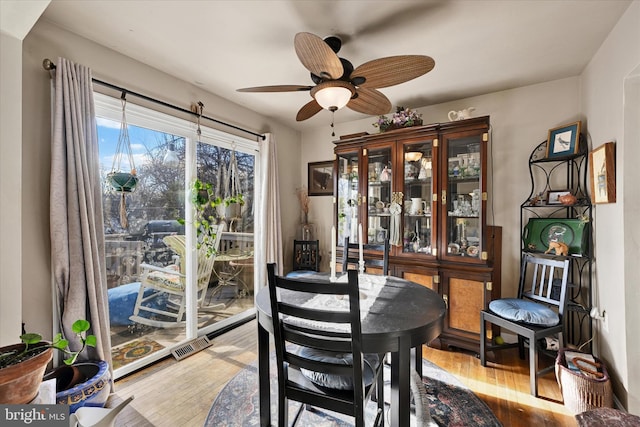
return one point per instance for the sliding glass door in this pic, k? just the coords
(163, 292)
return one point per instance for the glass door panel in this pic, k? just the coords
(231, 283)
(348, 197)
(148, 254)
(418, 198)
(464, 205)
(379, 185)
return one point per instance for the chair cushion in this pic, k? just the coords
(301, 273)
(333, 381)
(165, 279)
(525, 311)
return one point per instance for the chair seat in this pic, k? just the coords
(524, 311)
(334, 381)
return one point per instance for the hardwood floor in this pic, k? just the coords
(172, 393)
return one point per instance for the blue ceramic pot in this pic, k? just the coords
(92, 392)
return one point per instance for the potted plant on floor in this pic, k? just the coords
(80, 383)
(22, 367)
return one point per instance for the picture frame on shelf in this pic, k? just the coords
(563, 141)
(554, 195)
(602, 174)
(320, 178)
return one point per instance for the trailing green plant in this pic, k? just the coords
(202, 198)
(30, 341)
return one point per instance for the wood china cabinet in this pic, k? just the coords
(425, 187)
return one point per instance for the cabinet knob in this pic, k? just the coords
(445, 297)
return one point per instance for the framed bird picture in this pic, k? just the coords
(563, 141)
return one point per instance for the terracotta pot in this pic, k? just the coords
(19, 383)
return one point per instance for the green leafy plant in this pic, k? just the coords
(202, 198)
(79, 327)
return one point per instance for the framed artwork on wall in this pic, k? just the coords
(603, 174)
(563, 141)
(320, 178)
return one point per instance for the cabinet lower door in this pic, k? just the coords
(427, 277)
(465, 294)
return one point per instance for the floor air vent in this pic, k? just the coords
(191, 347)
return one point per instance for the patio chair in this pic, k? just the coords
(171, 281)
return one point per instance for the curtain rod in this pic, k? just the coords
(48, 65)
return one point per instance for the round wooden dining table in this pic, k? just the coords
(404, 316)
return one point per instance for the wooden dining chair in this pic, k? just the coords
(319, 349)
(375, 265)
(536, 313)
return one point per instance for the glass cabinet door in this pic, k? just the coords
(418, 222)
(379, 185)
(464, 194)
(348, 197)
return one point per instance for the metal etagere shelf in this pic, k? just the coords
(539, 215)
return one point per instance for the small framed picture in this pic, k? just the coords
(563, 141)
(320, 178)
(553, 195)
(603, 174)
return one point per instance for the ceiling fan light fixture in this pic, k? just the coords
(333, 95)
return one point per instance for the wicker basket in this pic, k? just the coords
(580, 392)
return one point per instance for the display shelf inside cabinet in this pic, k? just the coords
(544, 220)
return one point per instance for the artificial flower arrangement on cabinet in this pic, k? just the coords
(403, 117)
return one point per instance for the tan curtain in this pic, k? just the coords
(268, 225)
(77, 231)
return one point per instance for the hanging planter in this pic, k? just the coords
(122, 181)
(229, 204)
(119, 180)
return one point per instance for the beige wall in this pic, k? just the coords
(520, 119)
(47, 41)
(617, 239)
(10, 188)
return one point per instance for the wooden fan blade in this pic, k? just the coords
(370, 101)
(317, 56)
(277, 88)
(308, 110)
(393, 70)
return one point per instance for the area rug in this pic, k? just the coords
(450, 403)
(132, 351)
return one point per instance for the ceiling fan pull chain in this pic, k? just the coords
(333, 113)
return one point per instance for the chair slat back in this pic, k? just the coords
(351, 257)
(340, 330)
(544, 280)
(177, 243)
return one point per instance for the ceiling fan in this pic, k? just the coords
(338, 84)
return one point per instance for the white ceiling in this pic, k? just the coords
(478, 46)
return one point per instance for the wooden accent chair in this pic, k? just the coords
(536, 313)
